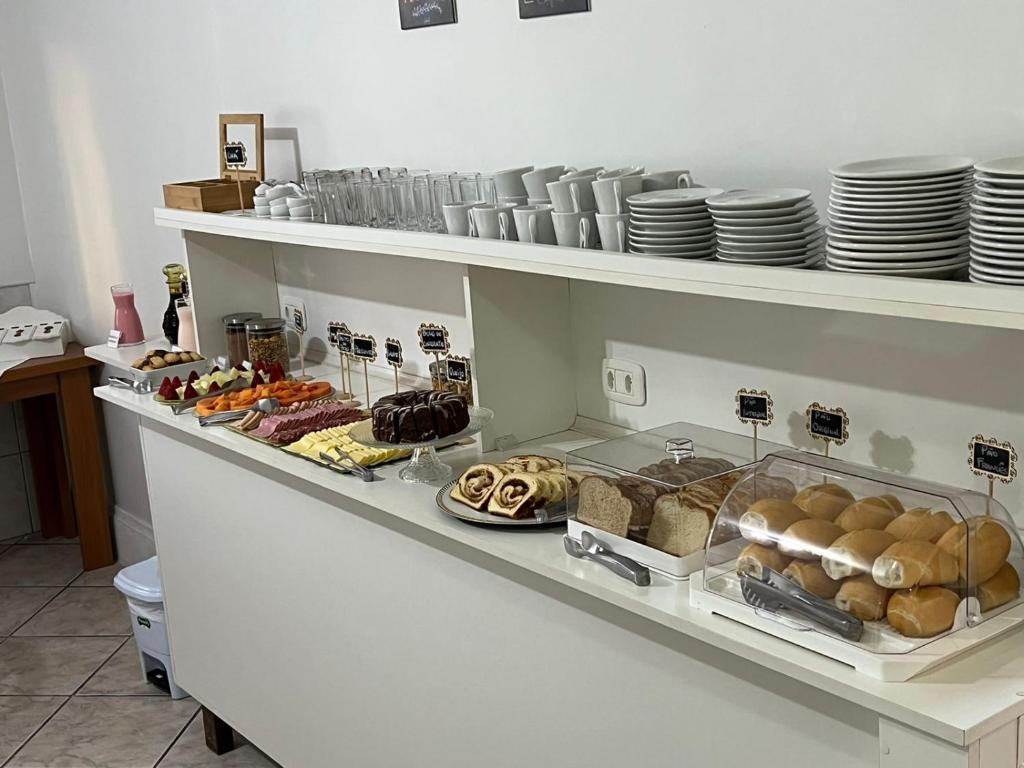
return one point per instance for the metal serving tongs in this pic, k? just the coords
(774, 592)
(349, 465)
(589, 548)
(138, 387)
(267, 405)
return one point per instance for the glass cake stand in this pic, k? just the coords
(425, 466)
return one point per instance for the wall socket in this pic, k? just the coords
(623, 381)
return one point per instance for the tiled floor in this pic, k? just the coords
(71, 692)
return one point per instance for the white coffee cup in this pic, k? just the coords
(533, 224)
(611, 194)
(631, 170)
(494, 222)
(575, 230)
(612, 228)
(536, 181)
(667, 180)
(456, 218)
(516, 200)
(571, 174)
(573, 195)
(509, 183)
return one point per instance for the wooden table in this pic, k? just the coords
(46, 387)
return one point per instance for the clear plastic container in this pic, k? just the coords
(236, 342)
(267, 341)
(653, 495)
(895, 562)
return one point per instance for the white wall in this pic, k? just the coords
(15, 264)
(110, 100)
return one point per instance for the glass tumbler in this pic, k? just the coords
(403, 190)
(312, 185)
(382, 204)
(424, 204)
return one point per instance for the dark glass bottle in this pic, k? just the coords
(175, 274)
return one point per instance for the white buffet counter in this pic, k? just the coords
(335, 622)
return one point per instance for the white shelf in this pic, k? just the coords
(944, 301)
(959, 702)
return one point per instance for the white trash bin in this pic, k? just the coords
(140, 584)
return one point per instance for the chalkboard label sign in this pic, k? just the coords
(991, 459)
(828, 424)
(393, 352)
(416, 14)
(433, 339)
(364, 348)
(457, 369)
(234, 154)
(299, 320)
(345, 342)
(754, 407)
(532, 9)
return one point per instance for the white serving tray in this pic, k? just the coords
(894, 660)
(655, 559)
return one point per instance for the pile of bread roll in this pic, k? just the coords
(878, 560)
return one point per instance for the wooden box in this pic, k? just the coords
(210, 195)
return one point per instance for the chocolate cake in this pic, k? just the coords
(419, 416)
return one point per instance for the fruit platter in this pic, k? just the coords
(285, 392)
(185, 394)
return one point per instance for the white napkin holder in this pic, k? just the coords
(26, 332)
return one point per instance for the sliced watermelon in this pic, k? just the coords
(257, 380)
(214, 387)
(190, 392)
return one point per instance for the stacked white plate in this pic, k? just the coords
(770, 227)
(900, 216)
(997, 222)
(672, 222)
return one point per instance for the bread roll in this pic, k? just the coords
(914, 563)
(811, 577)
(808, 539)
(920, 523)
(1000, 589)
(922, 612)
(756, 557)
(872, 512)
(895, 504)
(767, 519)
(861, 597)
(823, 501)
(980, 545)
(854, 553)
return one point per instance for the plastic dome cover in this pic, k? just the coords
(885, 562)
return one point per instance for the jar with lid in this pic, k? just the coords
(267, 341)
(236, 343)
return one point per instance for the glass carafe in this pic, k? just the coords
(126, 317)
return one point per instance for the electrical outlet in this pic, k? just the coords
(624, 381)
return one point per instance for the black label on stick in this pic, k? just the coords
(393, 352)
(457, 369)
(991, 459)
(234, 155)
(532, 9)
(754, 407)
(433, 339)
(364, 348)
(416, 14)
(829, 424)
(344, 343)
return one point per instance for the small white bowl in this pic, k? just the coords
(296, 213)
(279, 192)
(279, 210)
(297, 202)
(302, 218)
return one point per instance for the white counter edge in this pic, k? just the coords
(982, 692)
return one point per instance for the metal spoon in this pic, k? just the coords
(591, 549)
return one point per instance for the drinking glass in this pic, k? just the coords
(382, 201)
(403, 192)
(312, 185)
(424, 204)
(362, 195)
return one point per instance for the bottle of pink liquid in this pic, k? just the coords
(126, 318)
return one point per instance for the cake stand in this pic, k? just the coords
(425, 466)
